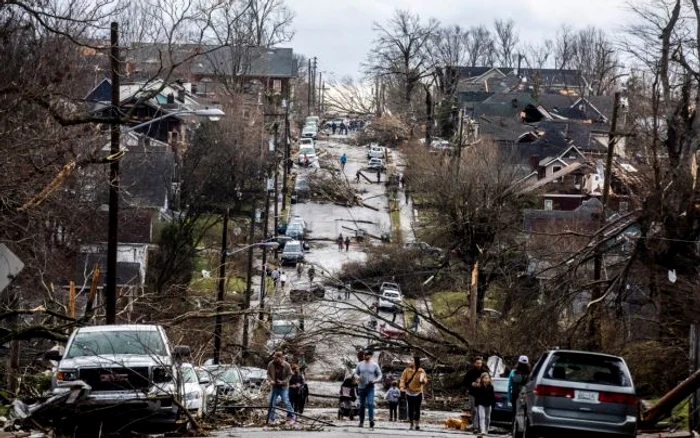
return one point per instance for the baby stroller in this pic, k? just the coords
(347, 403)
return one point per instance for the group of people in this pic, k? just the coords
(360, 385)
(343, 242)
(342, 127)
(279, 277)
(288, 383)
(482, 397)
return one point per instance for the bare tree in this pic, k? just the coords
(563, 47)
(595, 57)
(401, 52)
(505, 42)
(351, 97)
(480, 46)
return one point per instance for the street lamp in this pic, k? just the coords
(114, 178)
(218, 323)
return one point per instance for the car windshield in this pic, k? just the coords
(307, 151)
(143, 342)
(587, 368)
(292, 247)
(500, 385)
(227, 375)
(282, 329)
(188, 375)
(391, 294)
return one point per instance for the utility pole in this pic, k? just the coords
(285, 165)
(313, 94)
(114, 177)
(249, 278)
(594, 336)
(277, 172)
(310, 90)
(221, 290)
(263, 274)
(459, 146)
(320, 90)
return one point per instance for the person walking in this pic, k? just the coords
(357, 177)
(471, 380)
(379, 176)
(412, 381)
(311, 272)
(347, 244)
(348, 289)
(300, 269)
(339, 242)
(278, 375)
(343, 129)
(415, 322)
(368, 373)
(296, 390)
(485, 400)
(516, 380)
(333, 128)
(283, 278)
(392, 397)
(348, 397)
(343, 160)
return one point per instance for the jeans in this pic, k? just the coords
(414, 402)
(393, 411)
(366, 399)
(484, 418)
(474, 411)
(275, 392)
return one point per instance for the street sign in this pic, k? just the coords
(10, 266)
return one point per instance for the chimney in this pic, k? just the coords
(171, 98)
(520, 60)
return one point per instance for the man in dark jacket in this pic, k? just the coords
(471, 380)
(279, 372)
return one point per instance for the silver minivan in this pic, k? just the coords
(577, 391)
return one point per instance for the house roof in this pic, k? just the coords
(556, 175)
(259, 62)
(128, 274)
(550, 144)
(580, 134)
(502, 128)
(147, 177)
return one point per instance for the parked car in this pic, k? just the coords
(312, 119)
(502, 412)
(283, 328)
(125, 366)
(302, 190)
(192, 391)
(389, 285)
(390, 299)
(293, 253)
(376, 151)
(306, 142)
(577, 391)
(307, 152)
(376, 164)
(298, 220)
(424, 248)
(281, 240)
(253, 377)
(223, 388)
(295, 231)
(309, 131)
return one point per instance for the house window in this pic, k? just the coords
(548, 205)
(277, 85)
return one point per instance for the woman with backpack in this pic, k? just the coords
(412, 381)
(516, 380)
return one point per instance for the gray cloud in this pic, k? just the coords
(339, 32)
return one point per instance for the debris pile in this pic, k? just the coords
(326, 187)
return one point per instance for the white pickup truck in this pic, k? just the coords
(116, 369)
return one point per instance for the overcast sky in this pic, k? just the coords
(339, 32)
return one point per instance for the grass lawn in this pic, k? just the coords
(449, 305)
(679, 415)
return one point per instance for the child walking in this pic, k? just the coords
(485, 400)
(392, 396)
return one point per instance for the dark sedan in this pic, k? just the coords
(502, 413)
